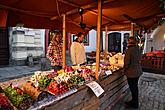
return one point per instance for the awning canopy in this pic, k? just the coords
(47, 14)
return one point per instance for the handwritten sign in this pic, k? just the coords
(96, 88)
(108, 72)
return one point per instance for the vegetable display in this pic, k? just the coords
(33, 91)
(58, 89)
(19, 99)
(44, 82)
(4, 103)
(76, 80)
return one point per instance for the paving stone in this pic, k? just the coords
(161, 107)
(151, 92)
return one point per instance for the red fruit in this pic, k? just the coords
(3, 101)
(19, 91)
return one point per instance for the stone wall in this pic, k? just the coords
(22, 43)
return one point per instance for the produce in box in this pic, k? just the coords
(44, 82)
(74, 80)
(4, 102)
(18, 98)
(37, 76)
(58, 89)
(33, 91)
(68, 69)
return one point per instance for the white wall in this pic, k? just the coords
(43, 39)
(122, 37)
(92, 41)
(33, 39)
(93, 36)
(158, 38)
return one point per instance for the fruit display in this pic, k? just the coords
(33, 91)
(52, 74)
(112, 60)
(39, 89)
(112, 68)
(58, 88)
(37, 76)
(4, 102)
(18, 98)
(117, 59)
(75, 80)
(68, 69)
(44, 82)
(87, 74)
(62, 77)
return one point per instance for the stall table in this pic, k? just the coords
(114, 86)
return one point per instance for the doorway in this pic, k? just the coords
(114, 42)
(4, 46)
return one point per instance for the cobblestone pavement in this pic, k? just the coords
(151, 93)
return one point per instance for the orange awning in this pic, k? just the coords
(117, 14)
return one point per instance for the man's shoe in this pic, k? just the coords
(131, 105)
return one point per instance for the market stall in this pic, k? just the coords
(114, 87)
(70, 88)
(76, 98)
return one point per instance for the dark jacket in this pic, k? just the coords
(132, 67)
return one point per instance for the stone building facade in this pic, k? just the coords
(24, 42)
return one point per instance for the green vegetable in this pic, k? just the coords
(26, 96)
(15, 98)
(44, 82)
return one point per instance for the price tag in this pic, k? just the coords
(96, 88)
(108, 72)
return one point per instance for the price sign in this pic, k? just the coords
(108, 72)
(96, 88)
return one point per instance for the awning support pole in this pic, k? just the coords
(106, 38)
(64, 42)
(132, 29)
(99, 19)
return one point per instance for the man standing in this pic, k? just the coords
(132, 70)
(78, 55)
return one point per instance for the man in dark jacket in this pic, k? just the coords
(133, 70)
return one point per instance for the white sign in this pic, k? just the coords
(29, 32)
(108, 72)
(96, 88)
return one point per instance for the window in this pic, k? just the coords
(86, 39)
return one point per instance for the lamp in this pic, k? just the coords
(81, 11)
(82, 25)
